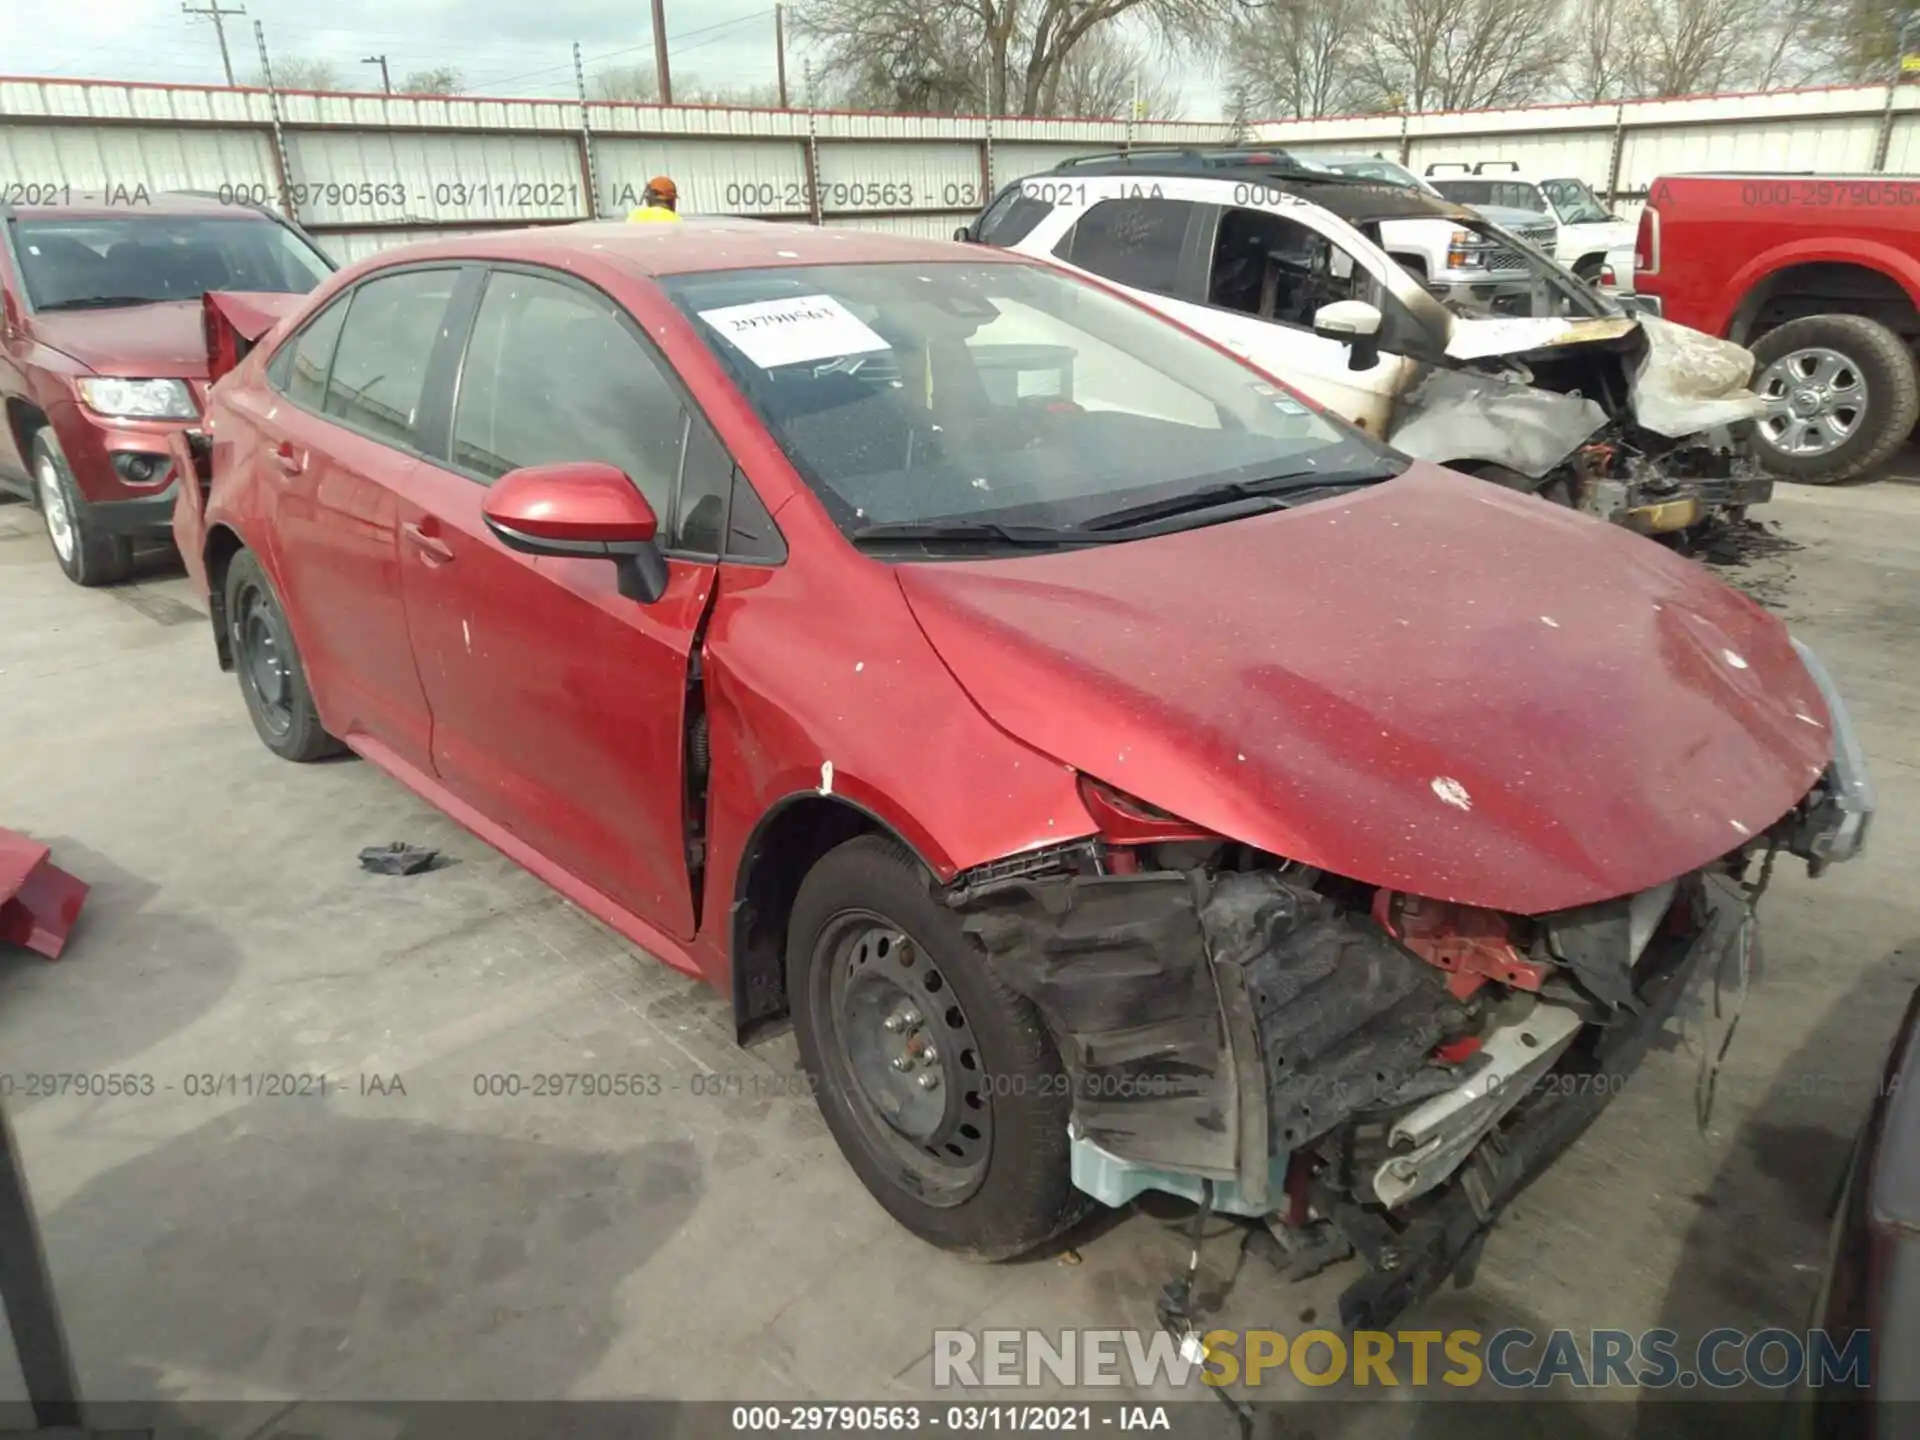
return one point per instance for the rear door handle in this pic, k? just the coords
(433, 549)
(290, 460)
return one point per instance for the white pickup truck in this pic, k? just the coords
(1588, 230)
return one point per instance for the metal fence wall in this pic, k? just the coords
(1620, 148)
(365, 171)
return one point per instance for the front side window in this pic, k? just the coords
(552, 374)
(1136, 242)
(379, 368)
(1275, 267)
(999, 395)
(85, 263)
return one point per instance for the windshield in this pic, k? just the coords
(1382, 170)
(1001, 395)
(1576, 203)
(75, 262)
(1509, 194)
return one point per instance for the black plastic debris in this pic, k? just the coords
(398, 858)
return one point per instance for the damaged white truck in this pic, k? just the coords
(1506, 365)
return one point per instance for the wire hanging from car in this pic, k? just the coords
(1746, 944)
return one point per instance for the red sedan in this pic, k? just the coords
(1123, 776)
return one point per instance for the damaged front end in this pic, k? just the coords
(1362, 1071)
(1633, 420)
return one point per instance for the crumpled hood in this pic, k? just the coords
(1433, 685)
(163, 340)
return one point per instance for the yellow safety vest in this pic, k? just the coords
(654, 212)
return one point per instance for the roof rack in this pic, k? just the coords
(1440, 167)
(1511, 166)
(1209, 158)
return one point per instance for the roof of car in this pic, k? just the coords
(1352, 199)
(698, 243)
(126, 202)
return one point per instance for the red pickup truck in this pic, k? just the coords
(1820, 277)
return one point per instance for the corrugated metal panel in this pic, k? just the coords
(411, 112)
(1015, 159)
(692, 120)
(383, 177)
(129, 162)
(927, 227)
(1903, 146)
(715, 177)
(1582, 154)
(1826, 143)
(857, 177)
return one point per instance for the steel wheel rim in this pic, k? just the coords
(260, 642)
(53, 506)
(885, 1001)
(1819, 398)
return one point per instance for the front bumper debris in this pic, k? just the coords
(1217, 1028)
(1840, 811)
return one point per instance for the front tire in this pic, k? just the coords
(940, 1084)
(86, 556)
(272, 679)
(1851, 393)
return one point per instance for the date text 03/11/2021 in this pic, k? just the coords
(196, 1085)
(1012, 1418)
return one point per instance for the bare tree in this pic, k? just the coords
(1104, 75)
(937, 47)
(299, 74)
(1858, 40)
(1693, 47)
(1458, 54)
(1600, 56)
(441, 80)
(637, 84)
(1298, 57)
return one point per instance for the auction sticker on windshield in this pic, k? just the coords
(772, 333)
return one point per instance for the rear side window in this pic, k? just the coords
(1134, 242)
(380, 364)
(1011, 218)
(299, 371)
(552, 374)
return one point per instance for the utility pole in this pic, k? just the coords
(386, 83)
(661, 72)
(780, 49)
(212, 10)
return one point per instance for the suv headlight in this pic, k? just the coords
(137, 399)
(1844, 834)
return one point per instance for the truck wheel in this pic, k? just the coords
(941, 1085)
(1847, 393)
(86, 556)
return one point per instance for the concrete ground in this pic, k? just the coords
(423, 1240)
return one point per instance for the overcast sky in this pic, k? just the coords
(501, 47)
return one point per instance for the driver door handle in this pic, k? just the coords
(433, 550)
(289, 460)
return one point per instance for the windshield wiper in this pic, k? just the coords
(101, 302)
(1212, 496)
(976, 532)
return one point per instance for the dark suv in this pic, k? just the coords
(103, 354)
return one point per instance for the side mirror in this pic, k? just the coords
(964, 234)
(1355, 324)
(580, 509)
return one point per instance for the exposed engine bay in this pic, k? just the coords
(1632, 420)
(1352, 1069)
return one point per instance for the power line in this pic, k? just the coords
(213, 11)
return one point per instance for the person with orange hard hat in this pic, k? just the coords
(659, 201)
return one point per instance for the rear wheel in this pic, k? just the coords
(272, 679)
(1845, 396)
(86, 555)
(940, 1084)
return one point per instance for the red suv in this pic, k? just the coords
(1123, 775)
(103, 354)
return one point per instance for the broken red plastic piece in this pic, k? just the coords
(1470, 944)
(1455, 1051)
(38, 900)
